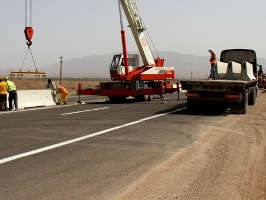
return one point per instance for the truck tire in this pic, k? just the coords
(191, 106)
(240, 107)
(252, 96)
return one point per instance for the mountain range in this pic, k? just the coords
(97, 66)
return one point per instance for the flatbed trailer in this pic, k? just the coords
(226, 94)
(118, 91)
(235, 85)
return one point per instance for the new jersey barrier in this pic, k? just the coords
(36, 98)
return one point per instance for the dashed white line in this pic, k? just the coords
(15, 157)
(70, 113)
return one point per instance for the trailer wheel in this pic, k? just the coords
(143, 97)
(240, 107)
(252, 96)
(146, 97)
(150, 97)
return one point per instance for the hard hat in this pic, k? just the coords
(57, 87)
(1, 78)
(211, 50)
(6, 78)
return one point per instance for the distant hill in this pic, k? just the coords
(97, 66)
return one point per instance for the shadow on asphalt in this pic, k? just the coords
(204, 111)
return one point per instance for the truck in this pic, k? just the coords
(261, 78)
(234, 87)
(128, 78)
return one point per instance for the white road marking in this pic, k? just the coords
(27, 109)
(15, 157)
(84, 111)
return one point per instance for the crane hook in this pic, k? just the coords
(28, 34)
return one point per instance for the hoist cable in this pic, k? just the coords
(30, 11)
(33, 60)
(150, 39)
(26, 13)
(31, 57)
(24, 59)
(28, 32)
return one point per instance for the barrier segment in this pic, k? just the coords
(220, 70)
(36, 98)
(233, 71)
(246, 72)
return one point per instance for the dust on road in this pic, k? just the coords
(227, 162)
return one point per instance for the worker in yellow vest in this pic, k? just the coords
(12, 94)
(213, 62)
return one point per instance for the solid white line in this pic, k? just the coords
(84, 111)
(81, 138)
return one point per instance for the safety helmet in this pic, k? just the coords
(6, 78)
(211, 50)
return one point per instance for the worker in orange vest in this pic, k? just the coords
(213, 62)
(63, 91)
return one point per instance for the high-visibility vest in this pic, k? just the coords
(3, 87)
(62, 90)
(11, 85)
(213, 58)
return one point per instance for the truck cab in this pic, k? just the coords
(117, 67)
(240, 55)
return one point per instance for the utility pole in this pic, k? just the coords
(191, 74)
(61, 61)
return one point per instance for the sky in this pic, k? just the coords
(75, 29)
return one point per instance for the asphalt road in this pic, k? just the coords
(94, 150)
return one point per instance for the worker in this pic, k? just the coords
(63, 91)
(50, 84)
(213, 62)
(3, 94)
(12, 94)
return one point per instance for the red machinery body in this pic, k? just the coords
(128, 78)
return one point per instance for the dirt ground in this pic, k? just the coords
(70, 85)
(227, 162)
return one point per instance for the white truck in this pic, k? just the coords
(234, 87)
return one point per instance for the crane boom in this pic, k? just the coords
(137, 27)
(128, 78)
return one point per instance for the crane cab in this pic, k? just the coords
(117, 67)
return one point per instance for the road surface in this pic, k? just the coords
(134, 150)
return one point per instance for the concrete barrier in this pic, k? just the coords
(36, 98)
(233, 71)
(220, 70)
(246, 72)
